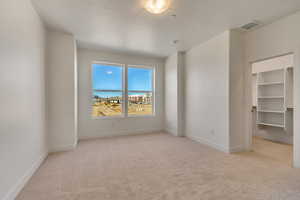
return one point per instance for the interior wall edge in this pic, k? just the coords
(61, 90)
(181, 85)
(236, 91)
(296, 141)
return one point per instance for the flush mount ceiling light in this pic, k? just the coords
(157, 6)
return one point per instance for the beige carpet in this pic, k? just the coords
(160, 167)
(275, 151)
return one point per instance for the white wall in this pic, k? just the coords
(22, 92)
(174, 94)
(207, 92)
(280, 62)
(61, 91)
(237, 101)
(278, 38)
(181, 94)
(92, 128)
(214, 92)
(171, 85)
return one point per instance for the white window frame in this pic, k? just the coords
(124, 90)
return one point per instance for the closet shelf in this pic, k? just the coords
(271, 111)
(273, 125)
(270, 83)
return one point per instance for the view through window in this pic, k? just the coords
(140, 91)
(107, 90)
(111, 98)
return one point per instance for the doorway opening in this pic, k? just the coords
(273, 108)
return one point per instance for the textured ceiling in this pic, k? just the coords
(124, 25)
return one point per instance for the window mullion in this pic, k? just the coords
(108, 90)
(125, 90)
(139, 91)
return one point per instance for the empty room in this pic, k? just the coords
(149, 100)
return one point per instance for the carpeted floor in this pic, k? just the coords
(160, 167)
(278, 152)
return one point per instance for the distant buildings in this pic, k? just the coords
(109, 100)
(136, 99)
(140, 99)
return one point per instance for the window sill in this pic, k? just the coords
(141, 116)
(123, 117)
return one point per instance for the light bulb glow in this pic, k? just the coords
(157, 6)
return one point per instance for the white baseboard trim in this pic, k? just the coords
(237, 149)
(121, 133)
(16, 189)
(288, 139)
(208, 143)
(296, 165)
(62, 148)
(170, 131)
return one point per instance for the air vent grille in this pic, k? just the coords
(250, 26)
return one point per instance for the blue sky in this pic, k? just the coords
(110, 78)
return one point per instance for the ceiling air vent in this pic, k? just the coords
(250, 26)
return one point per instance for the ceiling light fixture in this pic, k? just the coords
(157, 6)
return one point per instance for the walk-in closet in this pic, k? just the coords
(272, 92)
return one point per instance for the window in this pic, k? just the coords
(120, 90)
(140, 91)
(107, 90)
